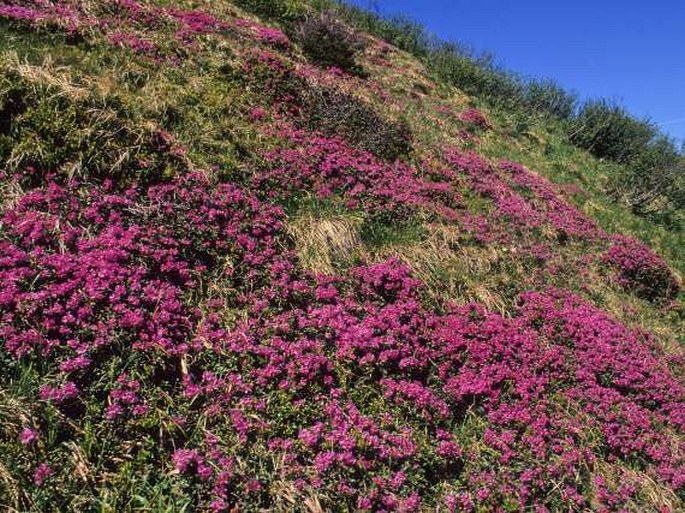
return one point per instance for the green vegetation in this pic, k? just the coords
(240, 272)
(651, 181)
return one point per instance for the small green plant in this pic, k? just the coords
(287, 11)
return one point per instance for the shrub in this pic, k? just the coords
(607, 131)
(475, 118)
(475, 75)
(651, 183)
(655, 182)
(640, 270)
(398, 30)
(328, 42)
(550, 98)
(335, 112)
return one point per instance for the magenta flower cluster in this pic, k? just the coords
(483, 179)
(187, 294)
(640, 270)
(132, 24)
(91, 272)
(81, 276)
(64, 14)
(328, 167)
(133, 42)
(532, 377)
(474, 118)
(557, 211)
(543, 204)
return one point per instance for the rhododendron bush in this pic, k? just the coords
(640, 270)
(327, 167)
(351, 381)
(130, 24)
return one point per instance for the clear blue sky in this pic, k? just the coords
(632, 51)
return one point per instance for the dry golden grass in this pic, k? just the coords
(449, 269)
(80, 465)
(57, 77)
(654, 497)
(10, 192)
(286, 497)
(14, 414)
(323, 241)
(10, 490)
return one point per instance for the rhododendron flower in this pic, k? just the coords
(59, 394)
(476, 118)
(257, 114)
(42, 472)
(28, 436)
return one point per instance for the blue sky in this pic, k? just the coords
(632, 51)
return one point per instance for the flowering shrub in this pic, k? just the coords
(82, 277)
(128, 23)
(90, 275)
(475, 118)
(563, 216)
(328, 167)
(134, 43)
(521, 374)
(63, 14)
(640, 270)
(545, 206)
(485, 180)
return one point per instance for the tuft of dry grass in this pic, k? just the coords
(10, 490)
(449, 268)
(321, 242)
(80, 464)
(286, 497)
(48, 74)
(14, 414)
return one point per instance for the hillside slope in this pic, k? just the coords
(236, 277)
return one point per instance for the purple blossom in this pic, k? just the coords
(475, 118)
(639, 269)
(28, 436)
(42, 473)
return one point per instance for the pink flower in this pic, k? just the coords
(364, 503)
(28, 436)
(42, 473)
(475, 118)
(113, 411)
(59, 394)
(257, 114)
(253, 485)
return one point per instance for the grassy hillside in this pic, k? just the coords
(254, 259)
